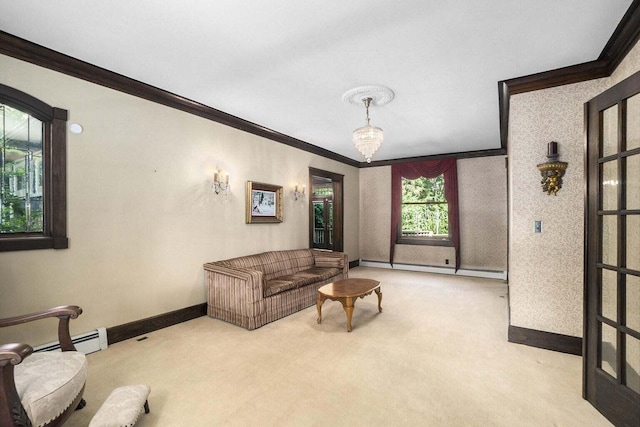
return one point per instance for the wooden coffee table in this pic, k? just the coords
(347, 291)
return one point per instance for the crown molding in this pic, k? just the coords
(25, 50)
(458, 155)
(621, 42)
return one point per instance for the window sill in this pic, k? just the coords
(424, 241)
(25, 243)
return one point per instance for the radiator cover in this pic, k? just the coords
(86, 343)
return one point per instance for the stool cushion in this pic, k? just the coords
(122, 407)
(48, 382)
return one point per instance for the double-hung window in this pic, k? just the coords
(424, 205)
(425, 211)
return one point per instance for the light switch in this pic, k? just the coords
(537, 226)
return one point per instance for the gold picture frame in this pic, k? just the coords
(264, 203)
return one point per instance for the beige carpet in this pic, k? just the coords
(436, 356)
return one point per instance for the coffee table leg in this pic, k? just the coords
(347, 303)
(319, 306)
(379, 293)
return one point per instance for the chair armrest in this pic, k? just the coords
(14, 353)
(12, 412)
(64, 313)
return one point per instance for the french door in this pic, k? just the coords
(323, 221)
(325, 210)
(612, 255)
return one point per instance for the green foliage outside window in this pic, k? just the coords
(425, 212)
(20, 172)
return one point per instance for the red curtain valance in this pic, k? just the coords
(427, 169)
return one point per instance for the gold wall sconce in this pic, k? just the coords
(552, 171)
(298, 192)
(221, 183)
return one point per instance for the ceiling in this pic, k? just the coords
(285, 64)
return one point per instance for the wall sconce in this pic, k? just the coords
(221, 183)
(298, 192)
(552, 171)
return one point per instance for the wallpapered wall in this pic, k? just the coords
(141, 216)
(483, 218)
(546, 269)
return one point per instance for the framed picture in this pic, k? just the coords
(264, 203)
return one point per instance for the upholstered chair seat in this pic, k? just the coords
(48, 383)
(41, 389)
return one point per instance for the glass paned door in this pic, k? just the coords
(612, 358)
(323, 223)
(325, 215)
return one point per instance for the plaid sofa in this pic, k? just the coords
(253, 290)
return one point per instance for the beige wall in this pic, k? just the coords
(546, 270)
(141, 217)
(482, 186)
(482, 190)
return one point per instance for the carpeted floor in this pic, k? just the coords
(436, 356)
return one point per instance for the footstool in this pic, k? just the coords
(122, 407)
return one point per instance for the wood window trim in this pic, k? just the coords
(424, 241)
(54, 235)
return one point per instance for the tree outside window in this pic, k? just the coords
(21, 191)
(425, 212)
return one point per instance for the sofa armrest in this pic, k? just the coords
(64, 313)
(331, 259)
(234, 289)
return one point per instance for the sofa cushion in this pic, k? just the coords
(276, 264)
(323, 273)
(328, 259)
(301, 278)
(48, 382)
(291, 281)
(251, 262)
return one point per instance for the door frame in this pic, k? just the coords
(338, 204)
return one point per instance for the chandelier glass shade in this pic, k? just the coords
(367, 139)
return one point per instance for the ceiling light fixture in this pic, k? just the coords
(367, 139)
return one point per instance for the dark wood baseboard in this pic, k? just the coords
(144, 326)
(546, 340)
(354, 264)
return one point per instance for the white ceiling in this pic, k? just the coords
(284, 64)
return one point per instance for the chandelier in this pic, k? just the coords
(367, 139)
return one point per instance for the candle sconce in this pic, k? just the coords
(221, 183)
(552, 171)
(298, 192)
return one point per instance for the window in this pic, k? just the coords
(425, 212)
(20, 172)
(443, 176)
(32, 173)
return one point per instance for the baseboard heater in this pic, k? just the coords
(487, 274)
(87, 343)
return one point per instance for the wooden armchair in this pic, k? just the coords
(41, 389)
